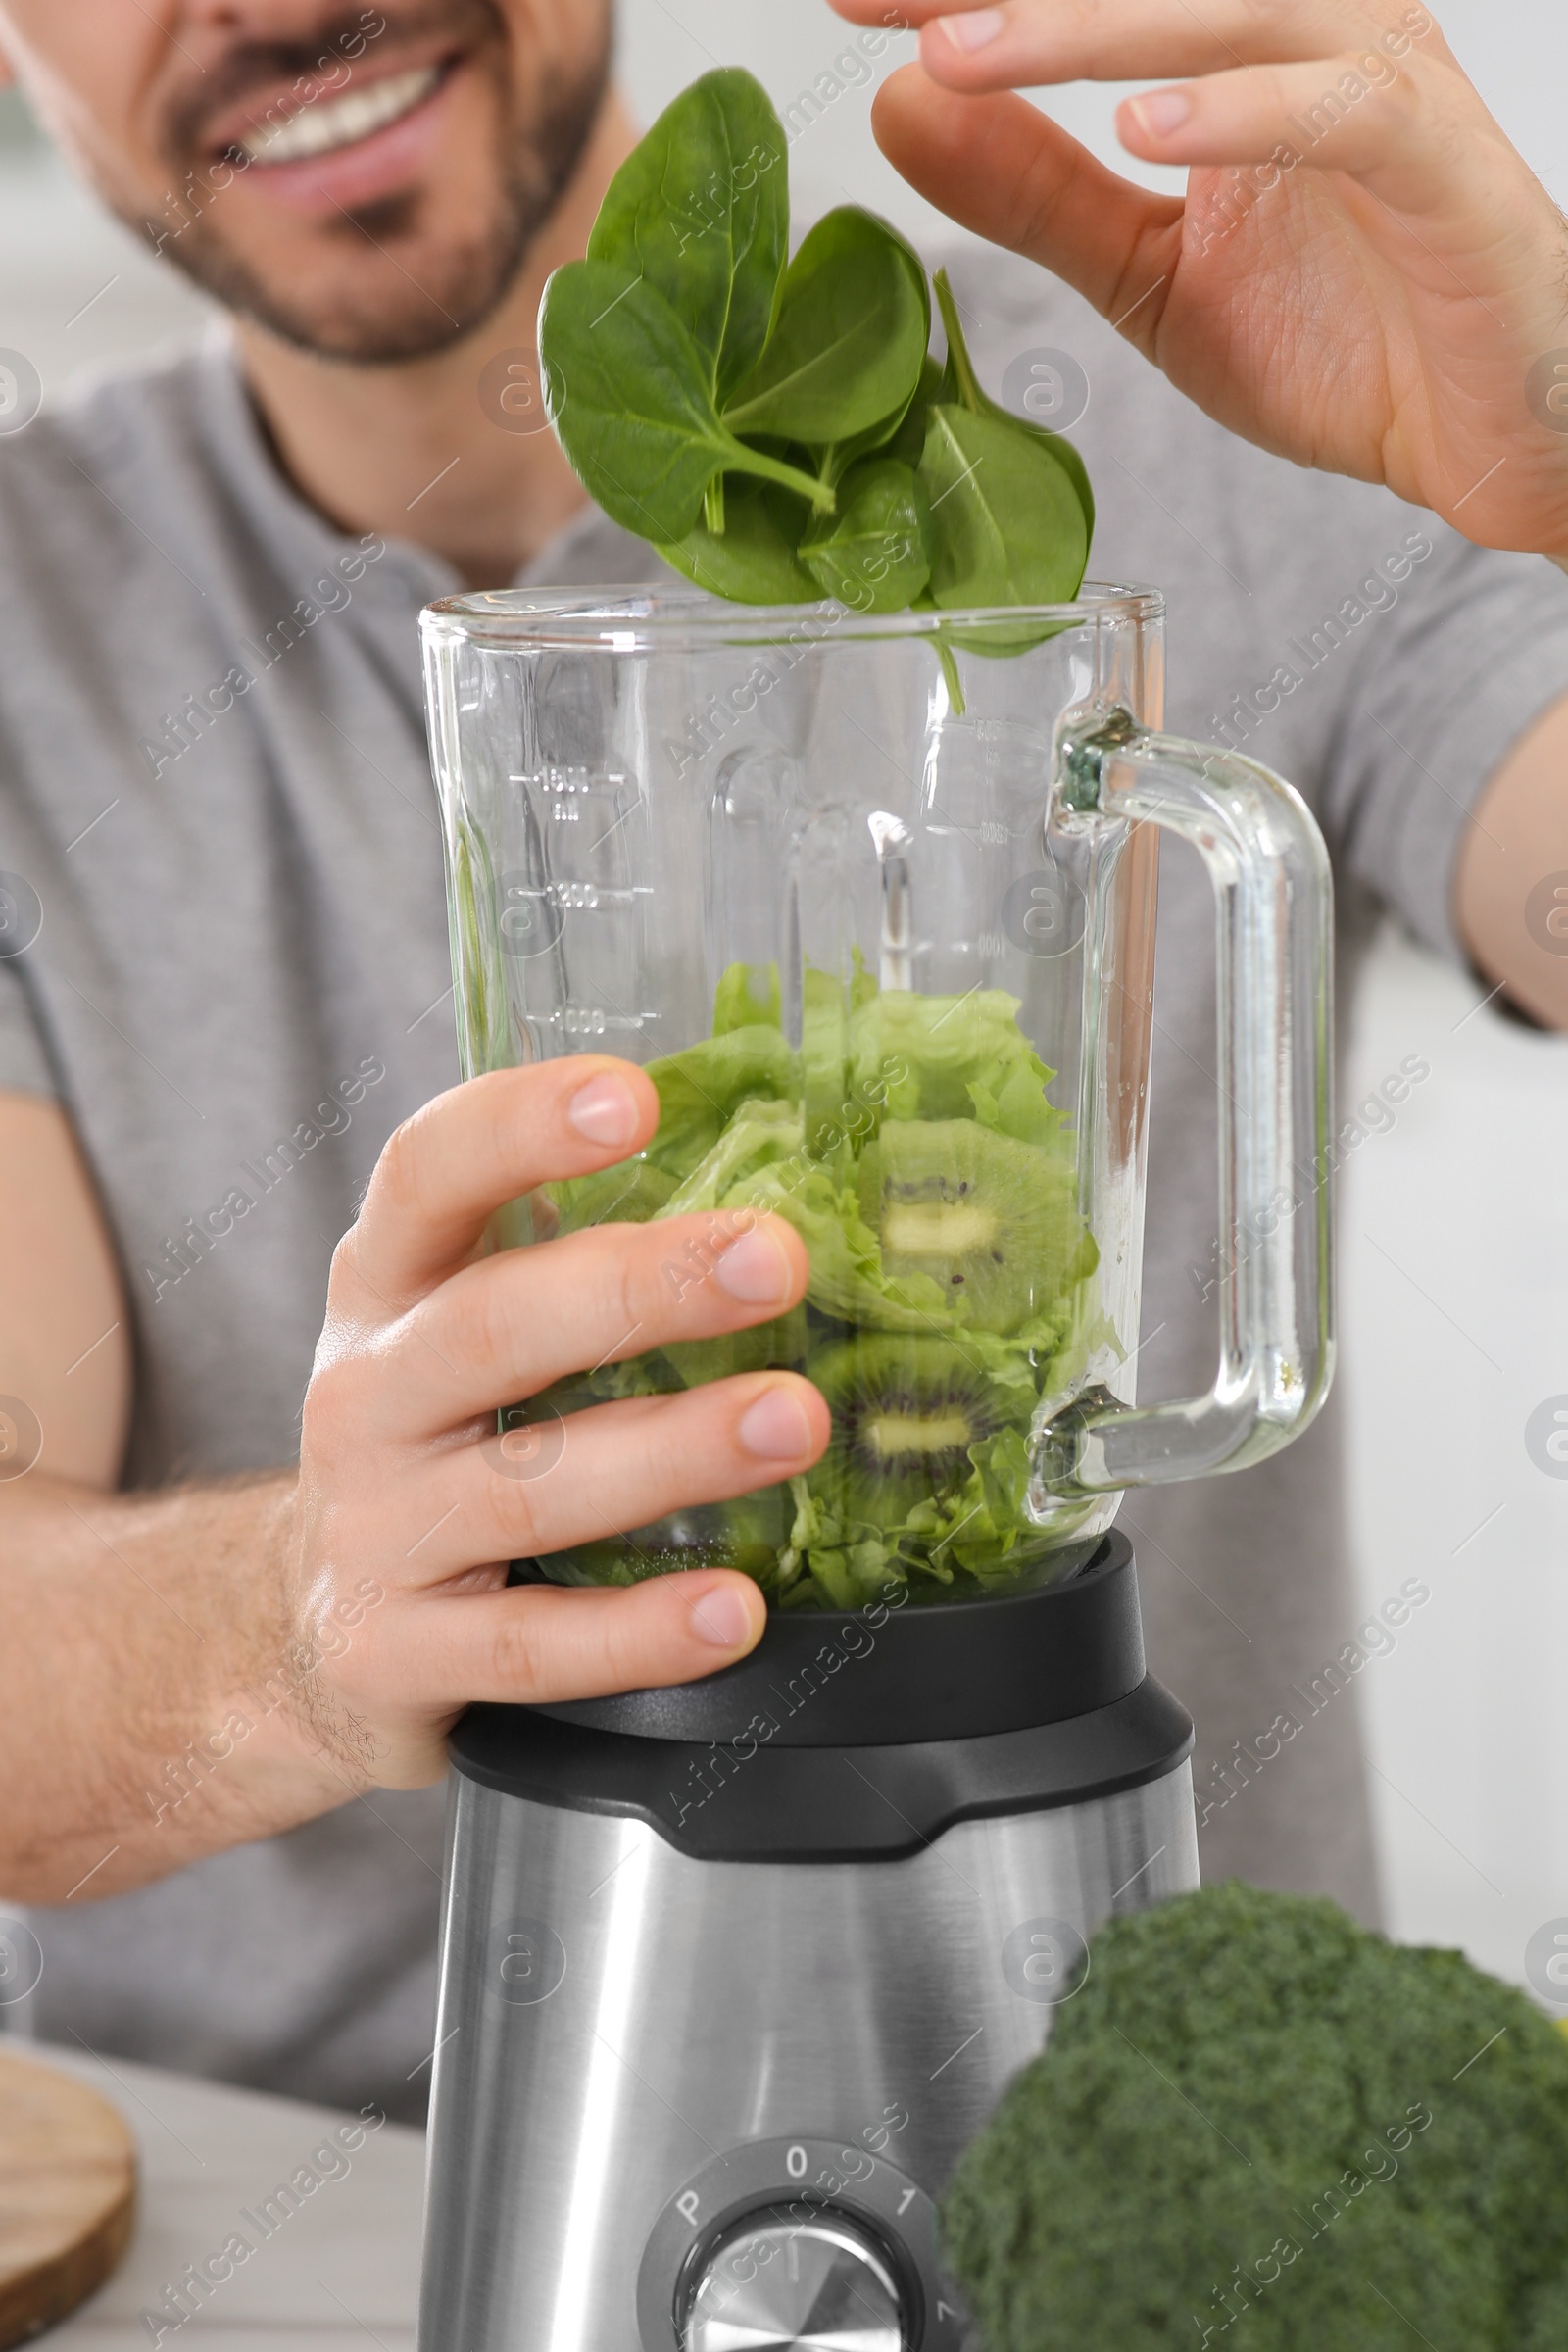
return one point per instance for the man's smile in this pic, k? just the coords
(319, 126)
(345, 132)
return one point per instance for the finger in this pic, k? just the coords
(1000, 167)
(1417, 132)
(1034, 41)
(447, 1170)
(914, 13)
(508, 1327)
(593, 1475)
(543, 1643)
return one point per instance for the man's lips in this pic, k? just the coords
(354, 148)
(323, 124)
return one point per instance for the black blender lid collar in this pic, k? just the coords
(877, 1677)
(747, 1801)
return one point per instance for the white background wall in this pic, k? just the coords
(1454, 1276)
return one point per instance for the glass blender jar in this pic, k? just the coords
(874, 900)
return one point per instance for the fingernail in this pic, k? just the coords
(775, 1427)
(974, 31)
(603, 1110)
(1162, 112)
(754, 1268)
(722, 1618)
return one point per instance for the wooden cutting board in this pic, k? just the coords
(67, 2194)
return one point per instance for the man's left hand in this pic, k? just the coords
(1364, 277)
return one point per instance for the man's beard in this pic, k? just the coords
(409, 319)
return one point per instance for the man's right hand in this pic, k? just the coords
(1363, 276)
(185, 1670)
(408, 1509)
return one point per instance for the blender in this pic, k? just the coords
(731, 1973)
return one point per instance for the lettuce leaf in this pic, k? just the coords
(824, 1055)
(629, 1194)
(759, 1135)
(701, 1089)
(747, 994)
(759, 1349)
(952, 1057)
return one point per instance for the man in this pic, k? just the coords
(227, 1685)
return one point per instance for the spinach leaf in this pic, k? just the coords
(1009, 536)
(892, 433)
(1068, 458)
(781, 433)
(888, 436)
(754, 559)
(908, 439)
(960, 384)
(852, 322)
(699, 208)
(629, 399)
(875, 554)
(1009, 528)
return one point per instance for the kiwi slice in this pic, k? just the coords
(905, 1412)
(992, 1220)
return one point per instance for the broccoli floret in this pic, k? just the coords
(1256, 2116)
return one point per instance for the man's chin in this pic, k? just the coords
(374, 311)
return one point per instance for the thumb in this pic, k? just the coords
(536, 1644)
(997, 166)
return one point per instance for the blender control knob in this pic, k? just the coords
(779, 2283)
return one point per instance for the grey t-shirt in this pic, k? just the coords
(214, 778)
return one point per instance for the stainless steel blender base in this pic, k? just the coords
(620, 2023)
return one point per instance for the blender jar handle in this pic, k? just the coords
(1273, 897)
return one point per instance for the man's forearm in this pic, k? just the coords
(1511, 890)
(155, 1704)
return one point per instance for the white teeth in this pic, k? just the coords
(340, 122)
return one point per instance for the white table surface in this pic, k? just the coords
(342, 2270)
